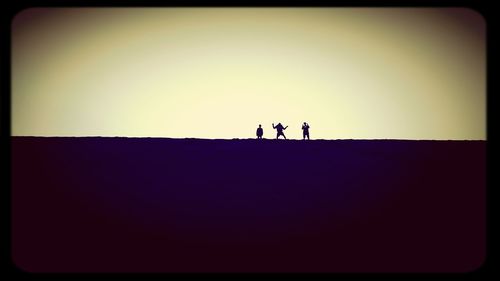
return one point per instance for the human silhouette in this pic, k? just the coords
(305, 131)
(279, 128)
(260, 132)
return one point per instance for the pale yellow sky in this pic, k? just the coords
(351, 73)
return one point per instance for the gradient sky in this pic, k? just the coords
(351, 73)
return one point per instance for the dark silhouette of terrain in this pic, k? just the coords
(191, 205)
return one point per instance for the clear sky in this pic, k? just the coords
(351, 73)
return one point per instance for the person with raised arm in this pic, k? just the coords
(305, 131)
(279, 130)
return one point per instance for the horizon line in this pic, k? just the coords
(195, 138)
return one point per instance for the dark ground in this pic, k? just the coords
(190, 205)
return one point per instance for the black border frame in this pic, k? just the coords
(486, 272)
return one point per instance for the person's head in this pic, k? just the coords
(259, 125)
(279, 123)
(305, 123)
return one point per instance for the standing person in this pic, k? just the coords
(260, 132)
(305, 131)
(279, 128)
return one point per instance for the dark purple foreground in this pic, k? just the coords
(188, 205)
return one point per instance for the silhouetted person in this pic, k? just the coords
(305, 131)
(279, 128)
(260, 132)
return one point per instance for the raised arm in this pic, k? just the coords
(273, 126)
(285, 128)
